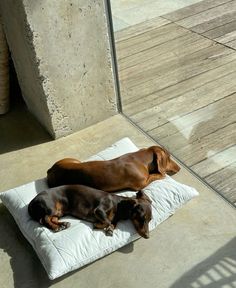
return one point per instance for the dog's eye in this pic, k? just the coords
(148, 219)
(140, 218)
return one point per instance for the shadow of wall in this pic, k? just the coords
(217, 271)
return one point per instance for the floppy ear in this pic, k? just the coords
(140, 194)
(128, 204)
(161, 157)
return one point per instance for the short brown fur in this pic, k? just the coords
(132, 171)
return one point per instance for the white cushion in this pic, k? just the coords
(79, 245)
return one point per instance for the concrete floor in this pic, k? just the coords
(194, 248)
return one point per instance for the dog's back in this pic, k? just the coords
(132, 171)
(108, 175)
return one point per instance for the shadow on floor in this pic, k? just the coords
(26, 267)
(217, 271)
(19, 128)
(27, 270)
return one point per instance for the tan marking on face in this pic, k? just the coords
(58, 209)
(111, 215)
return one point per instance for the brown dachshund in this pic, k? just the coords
(96, 206)
(132, 171)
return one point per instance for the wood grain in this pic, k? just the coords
(213, 19)
(194, 9)
(179, 86)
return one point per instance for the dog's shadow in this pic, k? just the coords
(129, 248)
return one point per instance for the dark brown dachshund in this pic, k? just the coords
(96, 206)
(130, 171)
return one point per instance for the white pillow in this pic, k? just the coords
(79, 245)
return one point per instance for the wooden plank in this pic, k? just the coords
(194, 9)
(148, 39)
(224, 181)
(216, 162)
(166, 59)
(210, 144)
(176, 71)
(208, 15)
(135, 105)
(184, 130)
(216, 22)
(177, 68)
(172, 47)
(140, 28)
(232, 44)
(184, 104)
(226, 38)
(149, 35)
(189, 43)
(221, 30)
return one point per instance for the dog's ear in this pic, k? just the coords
(162, 160)
(165, 165)
(128, 204)
(126, 207)
(141, 195)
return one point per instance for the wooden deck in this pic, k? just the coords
(177, 76)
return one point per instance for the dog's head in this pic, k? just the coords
(142, 214)
(165, 165)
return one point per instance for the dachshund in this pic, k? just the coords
(133, 171)
(99, 207)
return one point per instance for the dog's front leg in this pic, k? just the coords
(103, 221)
(154, 177)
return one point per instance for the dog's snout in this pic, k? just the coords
(177, 167)
(146, 235)
(172, 168)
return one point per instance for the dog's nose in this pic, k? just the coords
(177, 168)
(146, 235)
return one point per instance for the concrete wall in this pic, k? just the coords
(61, 54)
(4, 72)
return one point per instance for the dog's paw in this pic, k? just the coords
(62, 226)
(109, 230)
(57, 229)
(109, 233)
(65, 225)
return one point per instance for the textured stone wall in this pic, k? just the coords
(4, 72)
(61, 54)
